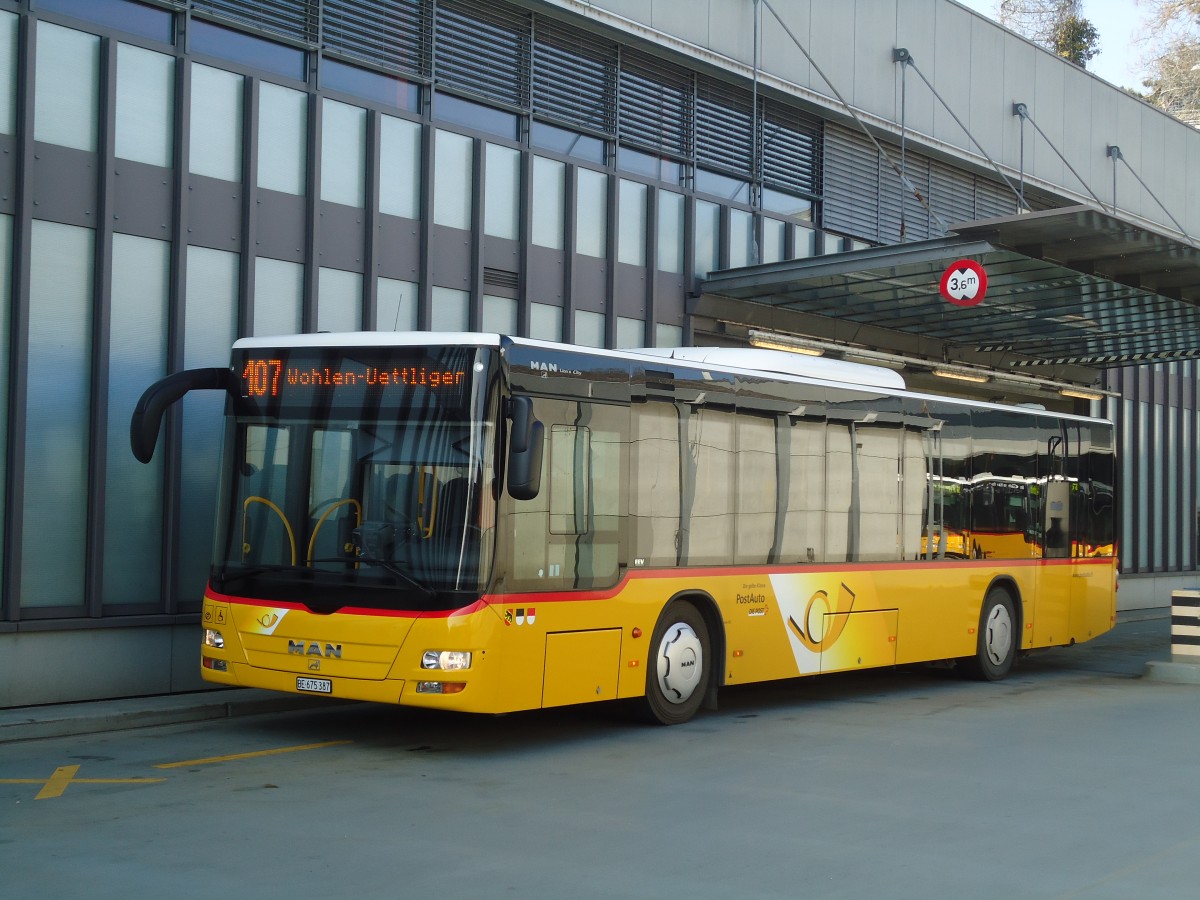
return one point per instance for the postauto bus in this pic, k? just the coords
(483, 523)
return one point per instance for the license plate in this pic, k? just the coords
(315, 685)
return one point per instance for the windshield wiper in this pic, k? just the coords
(388, 566)
(228, 577)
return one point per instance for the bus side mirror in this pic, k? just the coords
(147, 415)
(524, 450)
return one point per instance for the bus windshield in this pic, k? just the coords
(360, 477)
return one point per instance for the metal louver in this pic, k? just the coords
(791, 149)
(655, 105)
(574, 77)
(394, 34)
(952, 194)
(851, 183)
(295, 19)
(993, 199)
(483, 50)
(863, 193)
(724, 127)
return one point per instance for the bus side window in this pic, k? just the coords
(756, 494)
(654, 486)
(568, 535)
(570, 479)
(707, 530)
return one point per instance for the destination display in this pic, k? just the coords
(285, 380)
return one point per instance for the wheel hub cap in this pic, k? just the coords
(680, 663)
(998, 636)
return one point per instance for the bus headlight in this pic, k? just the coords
(212, 638)
(446, 660)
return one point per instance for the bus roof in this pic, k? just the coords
(782, 362)
(751, 360)
(371, 339)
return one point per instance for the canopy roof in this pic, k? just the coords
(1065, 286)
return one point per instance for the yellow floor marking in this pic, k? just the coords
(58, 782)
(65, 775)
(251, 755)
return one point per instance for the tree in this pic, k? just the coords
(1173, 66)
(1058, 25)
(1075, 39)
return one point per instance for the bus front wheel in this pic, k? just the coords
(996, 647)
(678, 673)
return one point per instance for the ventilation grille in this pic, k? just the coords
(501, 278)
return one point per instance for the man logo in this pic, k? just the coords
(312, 648)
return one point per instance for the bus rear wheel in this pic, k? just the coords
(996, 646)
(678, 673)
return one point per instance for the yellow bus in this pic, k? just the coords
(489, 524)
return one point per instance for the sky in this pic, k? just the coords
(1120, 24)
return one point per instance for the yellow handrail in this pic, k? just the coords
(312, 541)
(427, 530)
(279, 512)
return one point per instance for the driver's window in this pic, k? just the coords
(266, 535)
(331, 456)
(332, 510)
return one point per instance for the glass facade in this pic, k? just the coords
(6, 235)
(9, 55)
(339, 300)
(67, 87)
(278, 297)
(502, 196)
(549, 201)
(267, 201)
(216, 123)
(396, 305)
(343, 153)
(141, 282)
(453, 176)
(145, 106)
(591, 213)
(399, 167)
(282, 138)
(57, 434)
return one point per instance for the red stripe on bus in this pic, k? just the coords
(585, 596)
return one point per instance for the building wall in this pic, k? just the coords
(178, 173)
(1159, 471)
(977, 67)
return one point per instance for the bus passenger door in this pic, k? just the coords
(1053, 517)
(1093, 600)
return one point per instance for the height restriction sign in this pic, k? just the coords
(964, 283)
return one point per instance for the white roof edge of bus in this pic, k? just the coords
(372, 339)
(785, 363)
(823, 373)
(891, 381)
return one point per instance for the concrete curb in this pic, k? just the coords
(61, 720)
(1173, 672)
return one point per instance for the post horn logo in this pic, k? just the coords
(833, 627)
